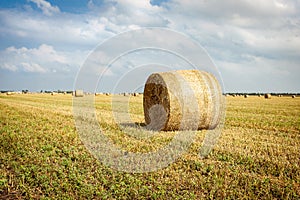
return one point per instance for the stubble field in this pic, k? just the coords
(42, 156)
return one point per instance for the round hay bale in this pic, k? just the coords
(177, 100)
(293, 96)
(53, 93)
(79, 93)
(267, 96)
(9, 93)
(246, 96)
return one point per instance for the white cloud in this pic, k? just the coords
(260, 74)
(226, 9)
(233, 28)
(46, 7)
(39, 60)
(64, 30)
(127, 14)
(9, 67)
(33, 67)
(44, 53)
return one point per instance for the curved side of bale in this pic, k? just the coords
(246, 96)
(293, 96)
(180, 99)
(267, 96)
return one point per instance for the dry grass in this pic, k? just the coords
(42, 157)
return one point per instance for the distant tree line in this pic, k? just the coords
(57, 91)
(42, 91)
(261, 93)
(25, 91)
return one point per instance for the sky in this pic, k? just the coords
(254, 44)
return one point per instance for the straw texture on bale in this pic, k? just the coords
(184, 95)
(267, 96)
(293, 96)
(79, 93)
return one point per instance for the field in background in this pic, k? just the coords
(41, 155)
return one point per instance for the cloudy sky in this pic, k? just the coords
(255, 44)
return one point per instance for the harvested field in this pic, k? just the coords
(42, 156)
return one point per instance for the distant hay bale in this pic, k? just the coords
(293, 96)
(267, 96)
(79, 93)
(9, 93)
(177, 100)
(53, 93)
(246, 96)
